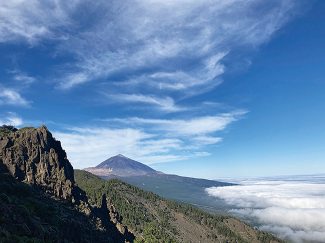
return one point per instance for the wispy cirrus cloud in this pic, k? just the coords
(11, 97)
(22, 78)
(203, 77)
(147, 140)
(34, 20)
(90, 146)
(11, 118)
(195, 126)
(168, 49)
(160, 50)
(178, 45)
(147, 53)
(166, 104)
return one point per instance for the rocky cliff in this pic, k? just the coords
(34, 157)
(43, 200)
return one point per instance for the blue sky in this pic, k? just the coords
(200, 88)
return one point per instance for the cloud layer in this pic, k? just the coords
(293, 210)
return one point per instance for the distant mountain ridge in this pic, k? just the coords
(42, 199)
(180, 188)
(121, 166)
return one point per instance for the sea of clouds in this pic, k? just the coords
(293, 208)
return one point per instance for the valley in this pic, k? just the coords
(42, 198)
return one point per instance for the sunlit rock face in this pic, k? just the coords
(32, 155)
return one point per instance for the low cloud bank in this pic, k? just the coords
(292, 209)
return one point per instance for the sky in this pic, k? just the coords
(209, 89)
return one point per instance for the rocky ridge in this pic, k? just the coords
(43, 200)
(33, 156)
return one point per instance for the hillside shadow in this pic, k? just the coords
(28, 215)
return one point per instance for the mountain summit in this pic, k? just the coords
(180, 188)
(122, 166)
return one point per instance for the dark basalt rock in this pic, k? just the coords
(35, 157)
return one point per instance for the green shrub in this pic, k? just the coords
(7, 129)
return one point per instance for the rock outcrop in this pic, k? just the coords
(35, 157)
(112, 219)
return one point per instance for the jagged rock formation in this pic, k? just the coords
(27, 214)
(33, 156)
(88, 210)
(112, 218)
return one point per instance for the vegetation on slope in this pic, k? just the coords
(29, 215)
(5, 129)
(154, 219)
(131, 203)
(8, 129)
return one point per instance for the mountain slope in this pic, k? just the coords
(180, 188)
(37, 186)
(183, 189)
(43, 200)
(120, 165)
(154, 219)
